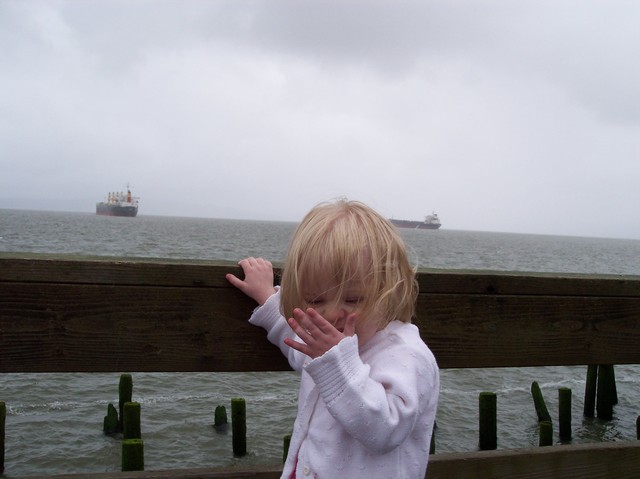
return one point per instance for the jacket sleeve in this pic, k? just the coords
(377, 405)
(268, 316)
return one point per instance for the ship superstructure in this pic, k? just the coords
(431, 222)
(119, 204)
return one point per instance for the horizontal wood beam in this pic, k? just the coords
(68, 314)
(606, 460)
(620, 460)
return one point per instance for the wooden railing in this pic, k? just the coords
(80, 314)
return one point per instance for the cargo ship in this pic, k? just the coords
(431, 222)
(119, 204)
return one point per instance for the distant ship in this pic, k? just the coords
(431, 222)
(119, 204)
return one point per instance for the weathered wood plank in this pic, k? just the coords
(69, 315)
(58, 328)
(113, 271)
(89, 328)
(619, 460)
(466, 331)
(165, 272)
(527, 283)
(267, 472)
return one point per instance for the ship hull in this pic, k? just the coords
(105, 209)
(416, 225)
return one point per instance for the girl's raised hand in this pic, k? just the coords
(258, 279)
(318, 334)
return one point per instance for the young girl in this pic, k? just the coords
(369, 386)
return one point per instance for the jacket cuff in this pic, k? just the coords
(267, 314)
(333, 371)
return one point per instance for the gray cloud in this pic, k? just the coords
(505, 116)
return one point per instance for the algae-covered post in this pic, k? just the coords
(607, 395)
(432, 445)
(132, 455)
(3, 419)
(546, 433)
(564, 413)
(131, 421)
(286, 441)
(590, 391)
(488, 403)
(539, 403)
(125, 391)
(220, 419)
(239, 426)
(110, 423)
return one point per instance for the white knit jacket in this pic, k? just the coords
(365, 413)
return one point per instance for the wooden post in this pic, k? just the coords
(285, 447)
(590, 391)
(132, 455)
(614, 387)
(220, 419)
(131, 421)
(432, 446)
(604, 403)
(546, 433)
(110, 423)
(3, 421)
(239, 426)
(539, 403)
(125, 391)
(564, 413)
(488, 421)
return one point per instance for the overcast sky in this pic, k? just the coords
(515, 116)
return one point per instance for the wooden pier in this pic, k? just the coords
(89, 314)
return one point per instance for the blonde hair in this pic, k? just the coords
(344, 241)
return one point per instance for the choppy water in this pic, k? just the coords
(54, 421)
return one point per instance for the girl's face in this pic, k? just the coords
(335, 304)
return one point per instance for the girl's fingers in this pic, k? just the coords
(296, 323)
(350, 325)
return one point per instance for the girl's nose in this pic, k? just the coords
(333, 313)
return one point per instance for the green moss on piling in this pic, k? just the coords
(131, 421)
(132, 455)
(488, 405)
(110, 423)
(125, 392)
(539, 403)
(239, 426)
(546, 433)
(564, 413)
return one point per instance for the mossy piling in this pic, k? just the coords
(607, 394)
(132, 455)
(220, 422)
(286, 441)
(590, 389)
(125, 392)
(564, 413)
(488, 404)
(3, 422)
(432, 445)
(601, 392)
(539, 403)
(131, 421)
(545, 433)
(110, 423)
(239, 426)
